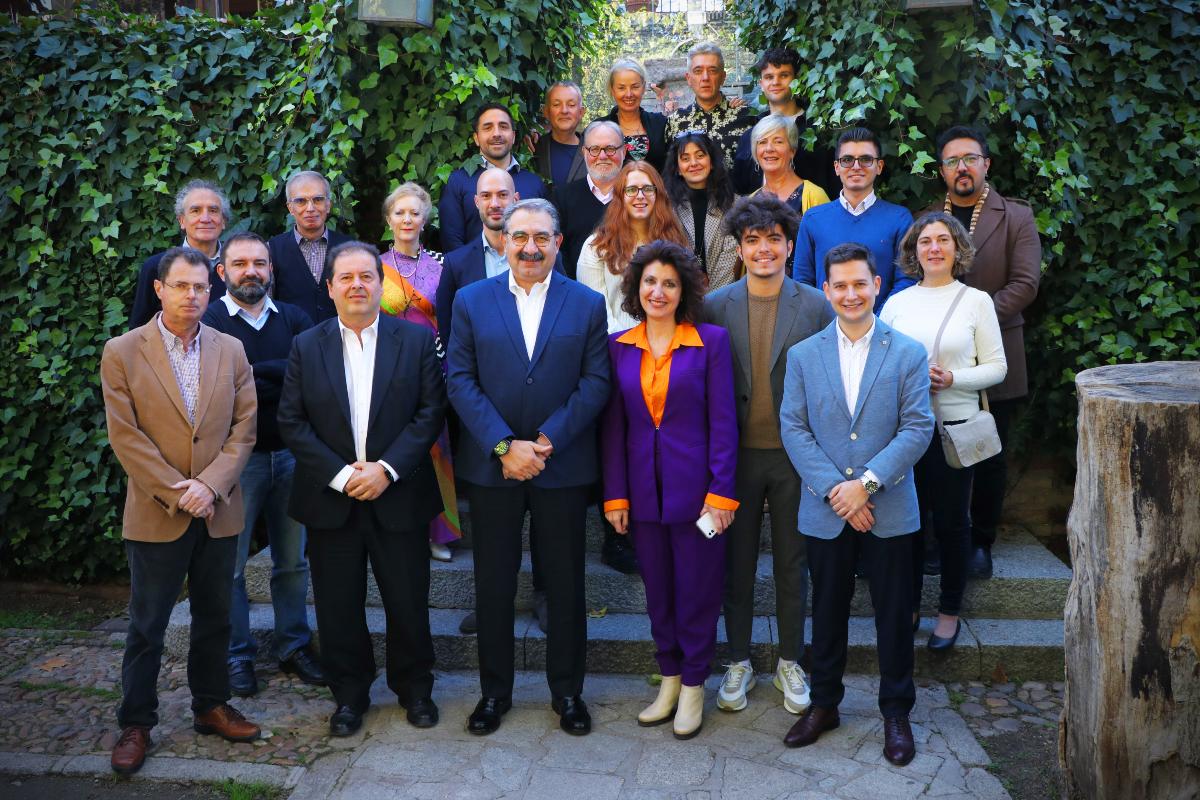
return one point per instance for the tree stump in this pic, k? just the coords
(1131, 725)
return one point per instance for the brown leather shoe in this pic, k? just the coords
(228, 723)
(811, 725)
(898, 746)
(129, 753)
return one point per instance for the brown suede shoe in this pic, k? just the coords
(811, 725)
(227, 722)
(129, 753)
(898, 746)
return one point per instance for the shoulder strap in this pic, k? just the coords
(937, 347)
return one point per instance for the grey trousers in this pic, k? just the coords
(766, 474)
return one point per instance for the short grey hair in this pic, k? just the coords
(566, 85)
(706, 48)
(601, 125)
(623, 65)
(304, 175)
(768, 125)
(194, 185)
(536, 204)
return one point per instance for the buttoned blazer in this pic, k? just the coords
(720, 248)
(498, 391)
(802, 312)
(1008, 266)
(149, 430)
(887, 433)
(696, 441)
(408, 407)
(293, 279)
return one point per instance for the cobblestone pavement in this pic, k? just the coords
(58, 693)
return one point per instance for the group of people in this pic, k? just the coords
(650, 355)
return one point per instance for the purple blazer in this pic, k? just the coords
(697, 439)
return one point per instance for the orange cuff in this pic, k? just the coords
(616, 505)
(723, 503)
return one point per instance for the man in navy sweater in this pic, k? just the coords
(857, 215)
(495, 136)
(266, 329)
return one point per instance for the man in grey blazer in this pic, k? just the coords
(766, 313)
(855, 418)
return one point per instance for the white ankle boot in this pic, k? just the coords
(690, 714)
(663, 706)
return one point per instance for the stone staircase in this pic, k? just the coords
(1012, 623)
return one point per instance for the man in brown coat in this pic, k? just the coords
(1008, 266)
(181, 408)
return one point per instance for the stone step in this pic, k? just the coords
(987, 649)
(1029, 583)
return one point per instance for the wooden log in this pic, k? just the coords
(1131, 725)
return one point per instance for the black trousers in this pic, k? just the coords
(156, 573)
(556, 529)
(831, 562)
(991, 480)
(944, 494)
(400, 562)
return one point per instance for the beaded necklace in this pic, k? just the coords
(987, 187)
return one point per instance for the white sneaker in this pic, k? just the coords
(790, 679)
(440, 552)
(739, 679)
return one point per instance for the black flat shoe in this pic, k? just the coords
(345, 722)
(422, 713)
(304, 666)
(242, 680)
(469, 625)
(573, 715)
(937, 643)
(979, 564)
(485, 718)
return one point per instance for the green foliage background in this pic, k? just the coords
(104, 116)
(1091, 111)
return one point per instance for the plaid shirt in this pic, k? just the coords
(314, 251)
(185, 363)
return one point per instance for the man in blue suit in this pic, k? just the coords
(528, 376)
(855, 418)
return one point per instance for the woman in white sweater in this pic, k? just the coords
(936, 251)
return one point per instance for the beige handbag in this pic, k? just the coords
(974, 439)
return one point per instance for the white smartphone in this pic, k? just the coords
(706, 525)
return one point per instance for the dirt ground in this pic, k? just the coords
(1026, 762)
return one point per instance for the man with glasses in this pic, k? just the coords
(712, 112)
(202, 211)
(858, 216)
(581, 203)
(528, 376)
(1008, 266)
(180, 402)
(299, 254)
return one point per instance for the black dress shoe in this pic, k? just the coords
(979, 564)
(345, 722)
(469, 625)
(541, 611)
(242, 681)
(573, 716)
(938, 643)
(485, 718)
(422, 713)
(898, 746)
(304, 666)
(812, 724)
(618, 553)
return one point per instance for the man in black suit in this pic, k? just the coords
(581, 203)
(363, 402)
(298, 254)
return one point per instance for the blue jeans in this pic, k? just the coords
(266, 485)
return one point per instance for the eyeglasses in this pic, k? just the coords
(848, 161)
(595, 150)
(304, 202)
(521, 238)
(634, 191)
(970, 160)
(692, 132)
(183, 287)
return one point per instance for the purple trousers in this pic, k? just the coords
(684, 575)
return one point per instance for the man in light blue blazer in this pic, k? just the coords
(855, 418)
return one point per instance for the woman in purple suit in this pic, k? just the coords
(669, 448)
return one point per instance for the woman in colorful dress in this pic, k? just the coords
(410, 278)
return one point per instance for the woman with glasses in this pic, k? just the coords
(410, 278)
(639, 213)
(644, 131)
(773, 143)
(961, 334)
(699, 187)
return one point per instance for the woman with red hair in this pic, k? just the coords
(640, 213)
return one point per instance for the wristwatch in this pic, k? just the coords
(871, 486)
(501, 447)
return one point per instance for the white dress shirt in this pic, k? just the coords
(859, 209)
(603, 197)
(852, 359)
(358, 356)
(530, 307)
(238, 311)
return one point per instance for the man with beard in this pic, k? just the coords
(581, 203)
(266, 329)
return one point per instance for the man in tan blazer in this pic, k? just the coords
(181, 407)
